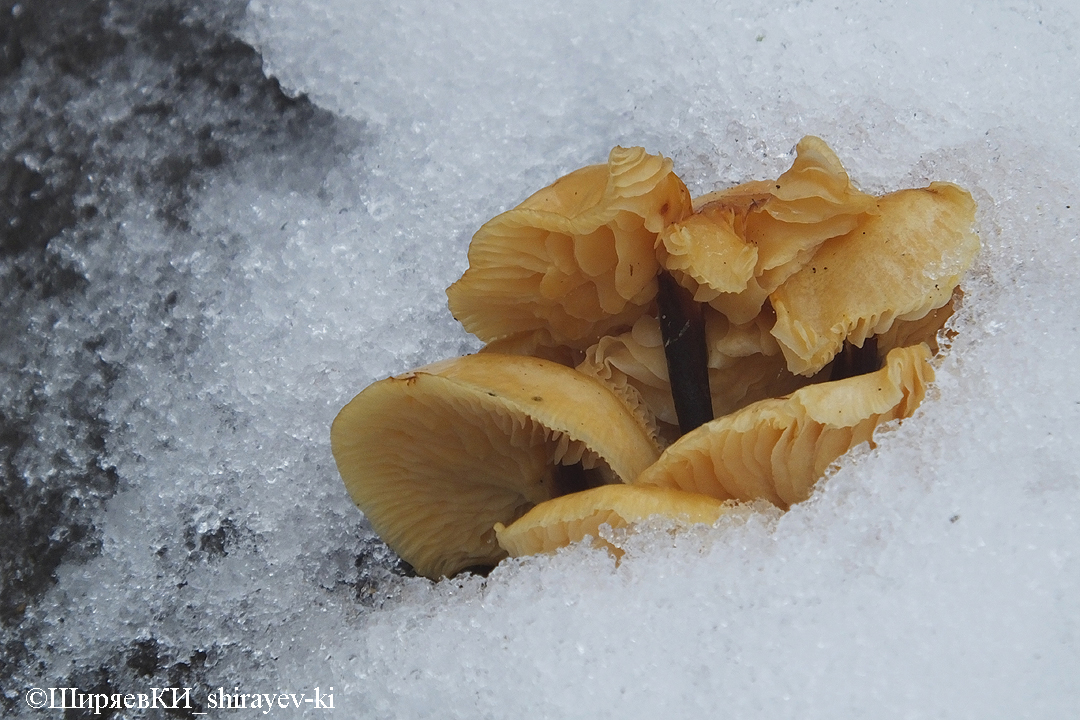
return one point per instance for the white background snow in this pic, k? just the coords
(937, 575)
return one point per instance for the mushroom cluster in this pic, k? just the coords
(648, 354)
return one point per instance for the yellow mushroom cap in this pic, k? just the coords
(897, 264)
(743, 242)
(435, 457)
(571, 518)
(576, 258)
(776, 449)
(706, 248)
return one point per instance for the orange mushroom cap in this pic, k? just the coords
(575, 259)
(571, 518)
(743, 242)
(435, 457)
(897, 264)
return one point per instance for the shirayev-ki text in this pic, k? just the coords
(170, 698)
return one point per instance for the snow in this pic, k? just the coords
(934, 576)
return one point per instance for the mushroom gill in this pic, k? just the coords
(435, 457)
(744, 365)
(776, 449)
(577, 258)
(569, 519)
(923, 330)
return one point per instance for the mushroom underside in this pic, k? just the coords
(436, 457)
(776, 449)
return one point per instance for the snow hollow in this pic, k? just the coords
(937, 575)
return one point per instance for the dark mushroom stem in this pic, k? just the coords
(682, 325)
(569, 479)
(852, 361)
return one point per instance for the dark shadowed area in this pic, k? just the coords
(186, 100)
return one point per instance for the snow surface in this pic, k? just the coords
(937, 575)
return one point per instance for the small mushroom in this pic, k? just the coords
(776, 449)
(707, 253)
(557, 523)
(435, 457)
(574, 260)
(899, 263)
(744, 242)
